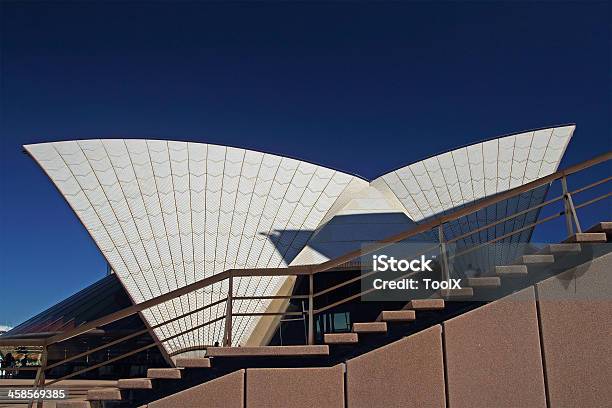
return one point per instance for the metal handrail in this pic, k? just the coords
(471, 249)
(341, 262)
(325, 266)
(129, 353)
(136, 334)
(462, 212)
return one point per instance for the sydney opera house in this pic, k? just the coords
(168, 214)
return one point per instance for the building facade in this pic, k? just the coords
(166, 214)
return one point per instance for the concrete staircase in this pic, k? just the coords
(520, 269)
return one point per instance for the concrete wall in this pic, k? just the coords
(575, 315)
(547, 345)
(493, 356)
(295, 387)
(226, 392)
(406, 373)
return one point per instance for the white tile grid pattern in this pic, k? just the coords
(442, 183)
(166, 214)
(451, 179)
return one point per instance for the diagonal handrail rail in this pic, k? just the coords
(435, 222)
(120, 314)
(513, 232)
(312, 269)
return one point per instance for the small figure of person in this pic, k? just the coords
(24, 360)
(9, 363)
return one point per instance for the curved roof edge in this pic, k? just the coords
(439, 183)
(206, 143)
(488, 139)
(308, 161)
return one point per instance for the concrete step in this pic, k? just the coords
(587, 237)
(484, 282)
(269, 351)
(164, 373)
(72, 404)
(425, 304)
(396, 316)
(104, 394)
(192, 362)
(536, 259)
(605, 227)
(134, 384)
(562, 248)
(456, 294)
(340, 338)
(370, 327)
(511, 270)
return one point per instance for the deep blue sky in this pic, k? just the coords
(363, 88)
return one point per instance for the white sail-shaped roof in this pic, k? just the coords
(166, 214)
(442, 183)
(446, 181)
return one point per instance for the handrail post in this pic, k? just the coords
(35, 387)
(568, 219)
(228, 312)
(43, 364)
(570, 210)
(444, 263)
(39, 381)
(310, 309)
(574, 213)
